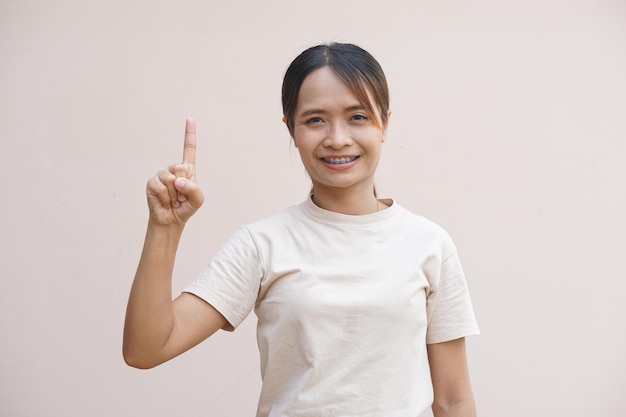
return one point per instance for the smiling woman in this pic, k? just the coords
(334, 73)
(340, 332)
(339, 143)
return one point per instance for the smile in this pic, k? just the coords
(339, 161)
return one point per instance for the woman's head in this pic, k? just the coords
(354, 66)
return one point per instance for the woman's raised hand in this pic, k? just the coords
(173, 195)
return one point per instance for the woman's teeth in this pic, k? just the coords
(338, 161)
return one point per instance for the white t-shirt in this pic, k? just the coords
(345, 306)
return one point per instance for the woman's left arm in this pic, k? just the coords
(451, 382)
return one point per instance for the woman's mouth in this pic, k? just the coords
(339, 161)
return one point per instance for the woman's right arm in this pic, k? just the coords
(158, 328)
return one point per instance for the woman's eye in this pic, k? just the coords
(359, 117)
(314, 120)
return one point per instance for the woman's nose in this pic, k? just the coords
(338, 136)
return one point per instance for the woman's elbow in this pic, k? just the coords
(459, 406)
(135, 360)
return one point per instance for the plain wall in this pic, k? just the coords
(508, 128)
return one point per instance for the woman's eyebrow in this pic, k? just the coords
(320, 111)
(355, 107)
(311, 111)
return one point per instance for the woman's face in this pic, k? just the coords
(338, 141)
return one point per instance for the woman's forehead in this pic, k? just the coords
(324, 86)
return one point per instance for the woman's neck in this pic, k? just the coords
(352, 203)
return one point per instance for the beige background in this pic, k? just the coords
(509, 129)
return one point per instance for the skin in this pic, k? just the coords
(156, 328)
(451, 382)
(330, 123)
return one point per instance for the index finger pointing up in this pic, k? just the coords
(189, 152)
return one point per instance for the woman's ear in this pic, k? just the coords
(386, 124)
(290, 132)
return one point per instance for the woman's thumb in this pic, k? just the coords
(180, 184)
(190, 191)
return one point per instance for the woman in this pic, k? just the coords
(362, 305)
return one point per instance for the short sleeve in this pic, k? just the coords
(449, 307)
(231, 280)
